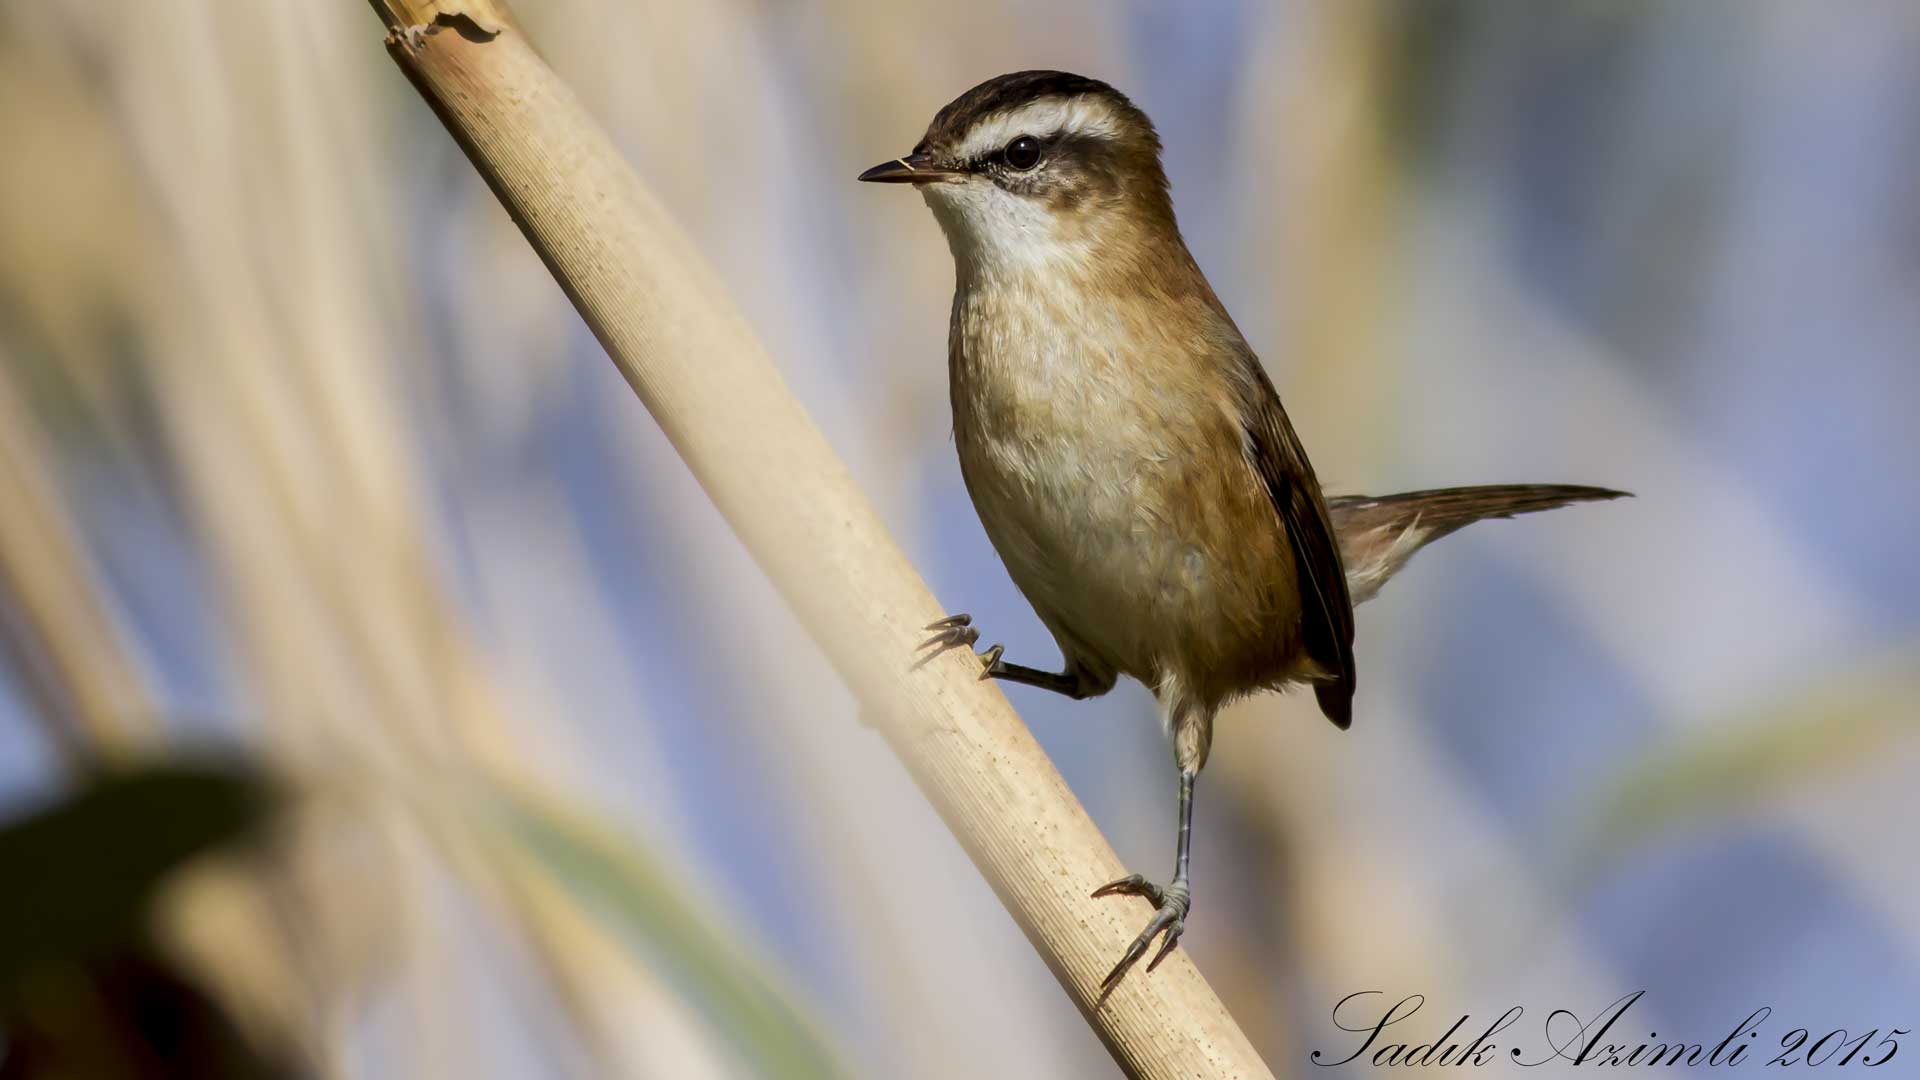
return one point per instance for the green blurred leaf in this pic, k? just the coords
(648, 908)
(1819, 733)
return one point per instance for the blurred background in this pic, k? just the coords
(381, 697)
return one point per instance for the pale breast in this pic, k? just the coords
(1107, 465)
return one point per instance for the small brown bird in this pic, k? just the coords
(1124, 448)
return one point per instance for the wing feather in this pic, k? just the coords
(1326, 610)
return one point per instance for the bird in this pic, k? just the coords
(1124, 448)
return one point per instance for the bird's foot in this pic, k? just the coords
(958, 631)
(1170, 918)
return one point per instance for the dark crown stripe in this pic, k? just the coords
(1021, 88)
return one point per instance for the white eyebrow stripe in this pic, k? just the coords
(1080, 115)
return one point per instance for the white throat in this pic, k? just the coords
(994, 233)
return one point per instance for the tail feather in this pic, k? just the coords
(1379, 533)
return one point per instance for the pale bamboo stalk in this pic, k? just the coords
(668, 326)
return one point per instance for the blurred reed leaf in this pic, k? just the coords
(1829, 728)
(647, 907)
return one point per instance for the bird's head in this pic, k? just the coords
(1029, 169)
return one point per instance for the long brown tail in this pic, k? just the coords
(1379, 533)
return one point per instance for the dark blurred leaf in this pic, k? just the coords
(78, 875)
(126, 1016)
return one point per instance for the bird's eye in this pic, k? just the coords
(1022, 153)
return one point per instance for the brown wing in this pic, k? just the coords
(1326, 611)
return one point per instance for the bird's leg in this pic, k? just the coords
(1058, 682)
(955, 631)
(1171, 903)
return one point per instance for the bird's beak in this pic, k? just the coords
(912, 169)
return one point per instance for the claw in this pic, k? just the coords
(1167, 920)
(1133, 885)
(951, 632)
(1174, 930)
(1120, 969)
(948, 639)
(1169, 917)
(989, 660)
